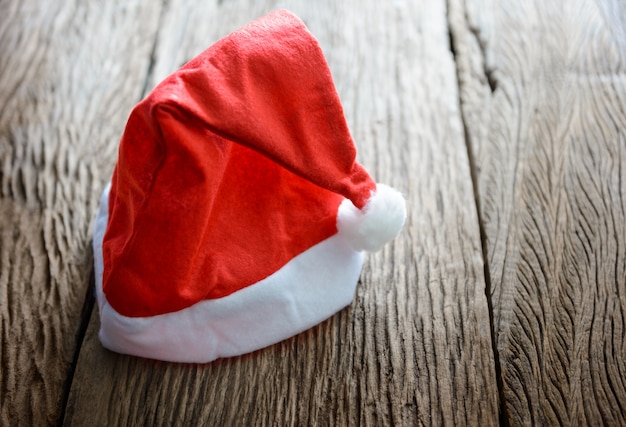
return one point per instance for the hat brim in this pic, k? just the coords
(307, 290)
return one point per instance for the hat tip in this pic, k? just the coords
(377, 223)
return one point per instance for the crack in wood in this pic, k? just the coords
(474, 176)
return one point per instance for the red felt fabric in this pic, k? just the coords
(232, 166)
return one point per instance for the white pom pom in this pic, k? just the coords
(377, 223)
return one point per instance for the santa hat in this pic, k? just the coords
(237, 214)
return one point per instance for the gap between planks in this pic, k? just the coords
(483, 238)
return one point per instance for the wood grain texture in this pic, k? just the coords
(67, 81)
(543, 93)
(414, 348)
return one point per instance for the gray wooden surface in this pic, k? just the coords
(69, 73)
(543, 90)
(501, 302)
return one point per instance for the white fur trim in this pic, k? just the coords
(307, 290)
(377, 223)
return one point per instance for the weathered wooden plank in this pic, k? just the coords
(415, 346)
(69, 72)
(543, 93)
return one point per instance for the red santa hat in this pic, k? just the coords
(237, 214)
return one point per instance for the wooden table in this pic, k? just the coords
(503, 300)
